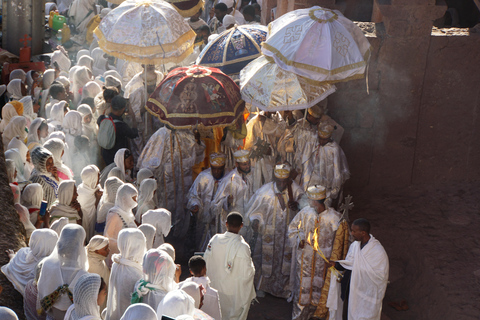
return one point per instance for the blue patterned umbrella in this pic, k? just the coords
(233, 49)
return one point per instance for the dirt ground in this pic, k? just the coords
(431, 236)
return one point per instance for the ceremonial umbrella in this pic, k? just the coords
(319, 44)
(266, 86)
(147, 32)
(196, 95)
(187, 8)
(233, 49)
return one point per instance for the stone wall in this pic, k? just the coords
(419, 123)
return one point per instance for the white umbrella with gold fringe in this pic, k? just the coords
(319, 44)
(146, 31)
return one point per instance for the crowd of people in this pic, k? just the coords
(113, 204)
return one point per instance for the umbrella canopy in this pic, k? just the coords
(196, 95)
(146, 31)
(266, 86)
(319, 44)
(233, 49)
(187, 8)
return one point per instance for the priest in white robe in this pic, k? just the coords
(230, 269)
(170, 155)
(271, 209)
(201, 197)
(326, 165)
(314, 225)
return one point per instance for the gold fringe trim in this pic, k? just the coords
(223, 125)
(305, 66)
(190, 12)
(132, 50)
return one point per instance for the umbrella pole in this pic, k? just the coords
(145, 129)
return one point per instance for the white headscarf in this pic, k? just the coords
(66, 264)
(113, 73)
(161, 220)
(14, 88)
(63, 61)
(18, 74)
(72, 71)
(124, 202)
(143, 174)
(59, 224)
(85, 61)
(81, 53)
(28, 108)
(117, 173)
(10, 166)
(48, 78)
(176, 303)
(158, 278)
(90, 90)
(57, 114)
(58, 135)
(57, 147)
(111, 81)
(100, 64)
(168, 248)
(21, 269)
(8, 112)
(139, 311)
(16, 143)
(126, 270)
(149, 233)
(32, 196)
(7, 314)
(62, 208)
(87, 199)
(16, 127)
(146, 199)
(193, 290)
(119, 160)
(72, 123)
(89, 129)
(64, 81)
(80, 78)
(85, 295)
(14, 155)
(32, 136)
(96, 262)
(108, 198)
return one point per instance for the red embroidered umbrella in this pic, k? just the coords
(196, 95)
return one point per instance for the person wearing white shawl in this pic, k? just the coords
(112, 81)
(28, 111)
(17, 127)
(57, 114)
(18, 74)
(42, 96)
(176, 303)
(14, 155)
(126, 270)
(168, 248)
(149, 233)
(81, 12)
(100, 62)
(368, 262)
(16, 143)
(90, 90)
(65, 82)
(21, 267)
(7, 314)
(61, 271)
(146, 198)
(8, 112)
(38, 132)
(81, 77)
(57, 148)
(67, 205)
(89, 126)
(86, 295)
(197, 292)
(143, 174)
(85, 61)
(139, 311)
(72, 127)
(161, 219)
(157, 280)
(97, 251)
(81, 53)
(57, 134)
(23, 215)
(89, 194)
(57, 92)
(59, 224)
(31, 198)
(107, 202)
(62, 60)
(230, 269)
(11, 171)
(121, 216)
(17, 89)
(124, 161)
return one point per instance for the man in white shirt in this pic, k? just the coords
(231, 270)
